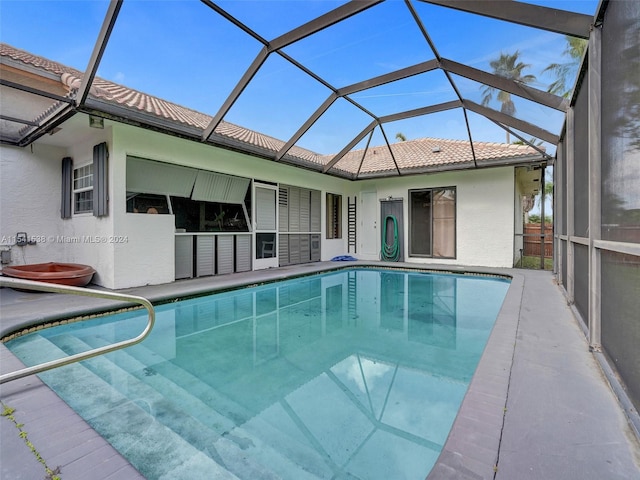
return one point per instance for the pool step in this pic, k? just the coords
(125, 423)
(173, 411)
(272, 431)
(244, 453)
(122, 363)
(145, 364)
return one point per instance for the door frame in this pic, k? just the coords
(369, 248)
(259, 262)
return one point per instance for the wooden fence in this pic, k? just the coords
(532, 243)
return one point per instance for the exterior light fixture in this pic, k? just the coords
(96, 122)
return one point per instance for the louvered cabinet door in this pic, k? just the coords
(225, 254)
(205, 256)
(184, 256)
(243, 253)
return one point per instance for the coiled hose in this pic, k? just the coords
(390, 251)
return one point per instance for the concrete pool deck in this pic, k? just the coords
(538, 407)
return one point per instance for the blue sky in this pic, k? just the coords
(184, 52)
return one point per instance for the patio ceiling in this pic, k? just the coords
(314, 81)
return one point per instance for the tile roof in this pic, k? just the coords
(34, 60)
(431, 154)
(418, 154)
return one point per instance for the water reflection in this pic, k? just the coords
(352, 374)
(410, 307)
(352, 360)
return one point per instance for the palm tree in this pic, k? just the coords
(564, 72)
(548, 193)
(507, 66)
(400, 137)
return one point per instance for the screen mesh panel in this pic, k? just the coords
(564, 263)
(581, 162)
(581, 277)
(620, 321)
(620, 168)
(621, 123)
(560, 200)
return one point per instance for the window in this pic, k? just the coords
(198, 216)
(200, 200)
(432, 219)
(83, 189)
(147, 203)
(334, 215)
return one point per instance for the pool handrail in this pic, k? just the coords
(87, 292)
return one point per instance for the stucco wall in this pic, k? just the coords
(152, 234)
(31, 182)
(139, 249)
(94, 245)
(484, 213)
(144, 252)
(30, 202)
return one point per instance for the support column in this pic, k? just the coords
(595, 186)
(559, 195)
(570, 202)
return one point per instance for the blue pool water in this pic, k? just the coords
(350, 374)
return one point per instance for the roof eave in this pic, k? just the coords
(509, 162)
(129, 116)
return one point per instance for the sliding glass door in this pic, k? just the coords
(432, 218)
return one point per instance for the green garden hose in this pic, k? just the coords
(390, 251)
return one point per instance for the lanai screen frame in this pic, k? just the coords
(567, 23)
(583, 253)
(538, 17)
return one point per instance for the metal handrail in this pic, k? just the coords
(55, 288)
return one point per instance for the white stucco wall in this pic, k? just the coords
(133, 249)
(30, 202)
(144, 252)
(149, 242)
(31, 182)
(139, 249)
(85, 227)
(484, 213)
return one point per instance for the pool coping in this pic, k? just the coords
(472, 448)
(24, 319)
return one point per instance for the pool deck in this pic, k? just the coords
(540, 406)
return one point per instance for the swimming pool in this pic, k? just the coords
(352, 374)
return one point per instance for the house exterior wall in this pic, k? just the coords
(99, 253)
(30, 185)
(31, 202)
(147, 257)
(485, 213)
(140, 249)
